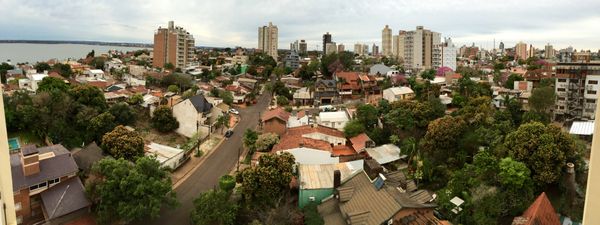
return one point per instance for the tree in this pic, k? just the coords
(353, 128)
(227, 97)
(91, 54)
(264, 183)
(123, 113)
(214, 207)
(90, 96)
(100, 125)
(282, 100)
(440, 141)
(542, 100)
(169, 66)
(163, 120)
(124, 192)
(52, 84)
(122, 143)
(63, 69)
(250, 137)
(428, 74)
(545, 149)
(367, 115)
(98, 63)
(383, 107)
(136, 99)
(510, 81)
(266, 141)
(311, 215)
(173, 88)
(514, 173)
(41, 67)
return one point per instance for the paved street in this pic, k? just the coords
(206, 176)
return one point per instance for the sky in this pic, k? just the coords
(229, 23)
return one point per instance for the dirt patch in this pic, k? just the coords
(143, 127)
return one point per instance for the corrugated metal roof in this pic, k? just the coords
(385, 153)
(321, 176)
(582, 128)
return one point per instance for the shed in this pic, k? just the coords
(316, 181)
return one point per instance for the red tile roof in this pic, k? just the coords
(276, 113)
(301, 114)
(99, 84)
(539, 212)
(351, 80)
(359, 141)
(340, 150)
(307, 129)
(289, 141)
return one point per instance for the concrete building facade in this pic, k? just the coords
(444, 55)
(7, 213)
(173, 45)
(521, 51)
(549, 51)
(577, 85)
(302, 47)
(326, 40)
(330, 48)
(268, 40)
(386, 41)
(419, 46)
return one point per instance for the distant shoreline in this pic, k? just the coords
(120, 44)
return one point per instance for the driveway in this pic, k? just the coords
(219, 163)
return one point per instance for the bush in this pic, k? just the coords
(227, 183)
(163, 119)
(282, 100)
(311, 215)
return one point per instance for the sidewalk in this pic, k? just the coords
(207, 147)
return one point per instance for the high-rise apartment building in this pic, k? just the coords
(7, 202)
(295, 46)
(549, 51)
(326, 39)
(419, 47)
(501, 46)
(444, 55)
(375, 50)
(577, 86)
(531, 51)
(173, 45)
(330, 48)
(302, 47)
(386, 41)
(365, 50)
(341, 48)
(358, 49)
(398, 45)
(521, 51)
(268, 40)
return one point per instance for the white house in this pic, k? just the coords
(193, 115)
(398, 93)
(336, 120)
(300, 119)
(31, 83)
(95, 73)
(166, 155)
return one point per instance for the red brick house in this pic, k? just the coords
(348, 84)
(275, 121)
(46, 186)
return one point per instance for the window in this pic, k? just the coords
(33, 187)
(561, 89)
(591, 92)
(590, 100)
(17, 206)
(562, 80)
(53, 181)
(593, 82)
(19, 219)
(561, 98)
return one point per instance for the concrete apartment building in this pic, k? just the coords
(577, 86)
(173, 45)
(549, 51)
(521, 51)
(444, 55)
(330, 48)
(358, 49)
(386, 41)
(398, 44)
(375, 50)
(341, 48)
(326, 40)
(419, 45)
(302, 47)
(268, 39)
(7, 212)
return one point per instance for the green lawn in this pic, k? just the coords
(26, 138)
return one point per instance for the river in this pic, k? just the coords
(21, 53)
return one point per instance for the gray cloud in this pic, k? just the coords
(235, 22)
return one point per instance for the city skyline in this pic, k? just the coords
(231, 23)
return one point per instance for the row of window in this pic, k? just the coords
(589, 81)
(44, 184)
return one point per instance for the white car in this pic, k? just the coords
(234, 111)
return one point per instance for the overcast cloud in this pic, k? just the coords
(229, 23)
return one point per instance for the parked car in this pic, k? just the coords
(228, 133)
(234, 111)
